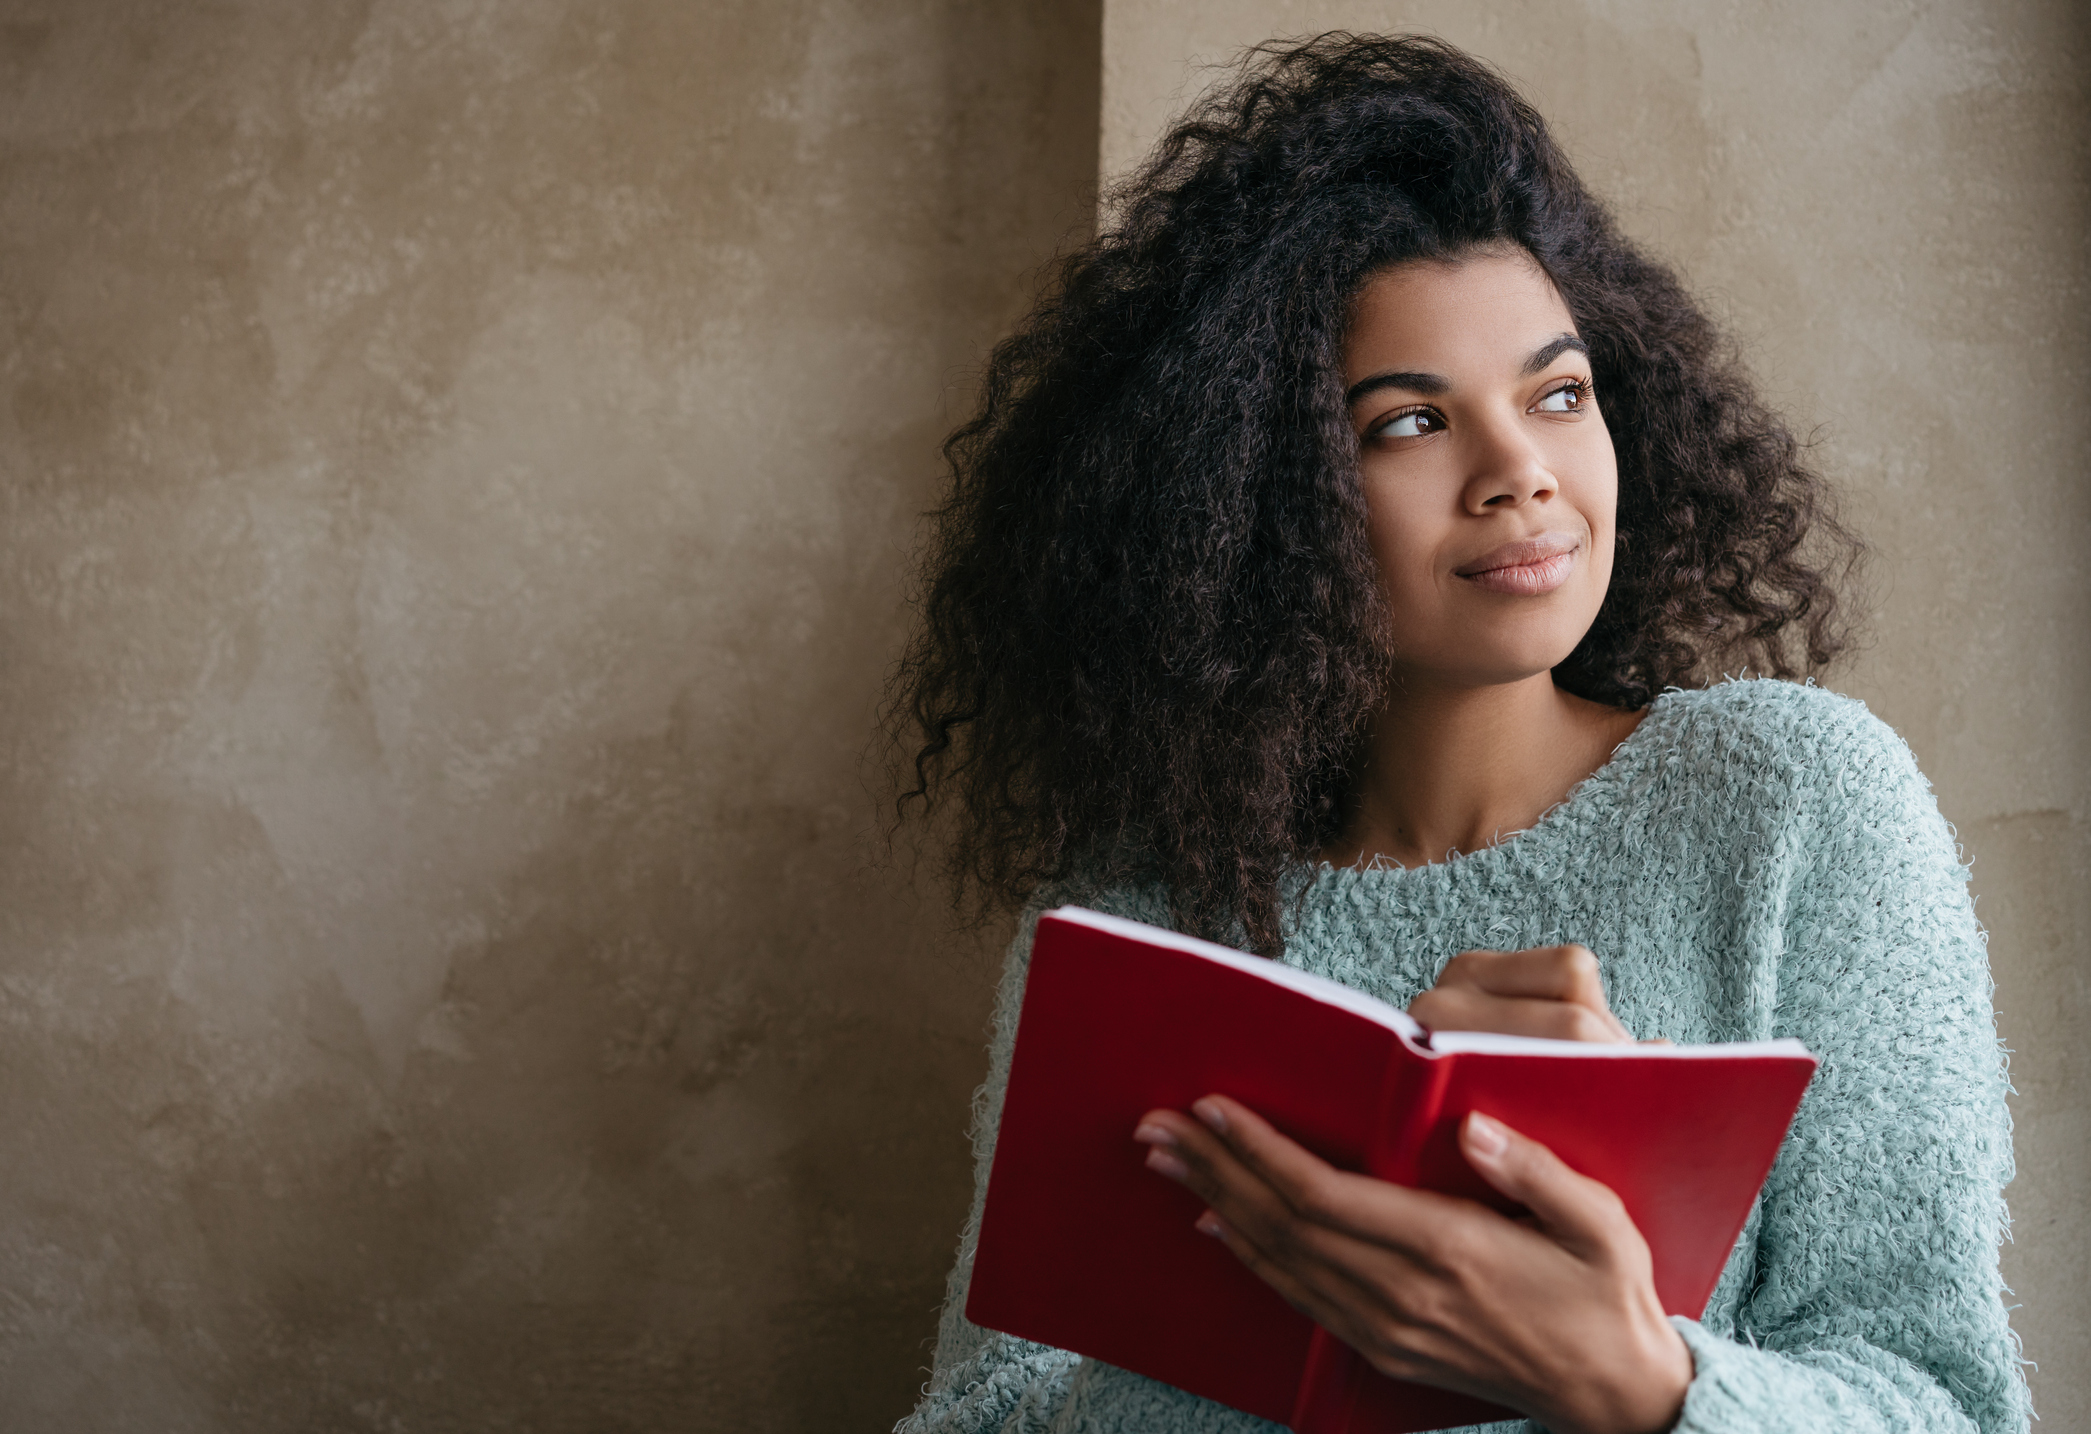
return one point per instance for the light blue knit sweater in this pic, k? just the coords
(1759, 859)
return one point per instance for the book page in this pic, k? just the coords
(1335, 993)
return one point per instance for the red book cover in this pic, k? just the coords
(1083, 1248)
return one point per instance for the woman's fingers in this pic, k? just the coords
(1332, 1298)
(1554, 973)
(1551, 991)
(1256, 1178)
(1580, 1214)
(1278, 1196)
(1300, 1176)
(1463, 1008)
(1313, 1287)
(1287, 1201)
(1281, 1197)
(1309, 1187)
(1289, 1217)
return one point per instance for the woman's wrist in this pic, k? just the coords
(1674, 1371)
(1648, 1399)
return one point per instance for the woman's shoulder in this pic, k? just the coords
(1815, 762)
(1767, 728)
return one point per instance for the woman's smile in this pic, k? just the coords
(1529, 567)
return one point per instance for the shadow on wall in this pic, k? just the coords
(458, 470)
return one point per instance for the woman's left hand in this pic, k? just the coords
(1555, 1315)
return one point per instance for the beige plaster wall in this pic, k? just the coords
(1889, 202)
(456, 463)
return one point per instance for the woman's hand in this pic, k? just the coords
(1556, 1316)
(1551, 991)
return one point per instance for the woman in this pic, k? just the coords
(1342, 564)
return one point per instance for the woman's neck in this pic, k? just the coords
(1455, 769)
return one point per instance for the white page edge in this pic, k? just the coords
(1371, 1008)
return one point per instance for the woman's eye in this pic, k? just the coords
(1569, 398)
(1413, 424)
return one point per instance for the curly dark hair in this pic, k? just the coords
(1152, 630)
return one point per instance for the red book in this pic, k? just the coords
(1084, 1248)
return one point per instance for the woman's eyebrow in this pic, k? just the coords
(1552, 349)
(1423, 383)
(1435, 383)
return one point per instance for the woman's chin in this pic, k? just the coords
(1470, 675)
(1493, 660)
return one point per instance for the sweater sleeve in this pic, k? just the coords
(1876, 1301)
(983, 1380)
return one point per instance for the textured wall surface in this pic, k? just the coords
(457, 461)
(1888, 201)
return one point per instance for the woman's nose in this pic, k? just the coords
(1508, 471)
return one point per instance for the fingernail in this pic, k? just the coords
(1161, 1162)
(1210, 1112)
(1209, 1224)
(1153, 1135)
(1485, 1136)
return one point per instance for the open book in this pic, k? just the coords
(1083, 1248)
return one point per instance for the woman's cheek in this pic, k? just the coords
(1410, 582)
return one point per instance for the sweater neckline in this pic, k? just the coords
(1523, 843)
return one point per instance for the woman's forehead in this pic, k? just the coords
(1474, 315)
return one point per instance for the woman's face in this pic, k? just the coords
(1490, 483)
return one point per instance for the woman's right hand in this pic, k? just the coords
(1550, 991)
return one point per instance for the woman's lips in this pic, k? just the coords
(1530, 567)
